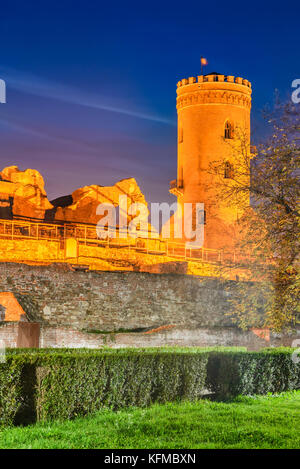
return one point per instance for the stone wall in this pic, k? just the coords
(42, 251)
(119, 309)
(178, 336)
(108, 301)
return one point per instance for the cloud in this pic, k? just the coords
(120, 155)
(26, 129)
(31, 84)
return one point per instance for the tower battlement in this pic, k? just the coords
(215, 78)
(214, 89)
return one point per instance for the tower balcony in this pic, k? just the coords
(176, 188)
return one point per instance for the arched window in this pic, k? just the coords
(228, 171)
(201, 217)
(198, 218)
(228, 130)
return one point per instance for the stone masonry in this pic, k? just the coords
(110, 301)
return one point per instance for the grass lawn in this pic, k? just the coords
(271, 421)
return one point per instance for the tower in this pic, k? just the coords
(211, 109)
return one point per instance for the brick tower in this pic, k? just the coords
(210, 110)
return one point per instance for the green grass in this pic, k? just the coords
(271, 421)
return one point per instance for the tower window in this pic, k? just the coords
(180, 135)
(201, 217)
(228, 171)
(228, 133)
(180, 178)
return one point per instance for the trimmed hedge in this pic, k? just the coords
(47, 384)
(10, 388)
(270, 370)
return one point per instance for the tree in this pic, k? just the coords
(270, 229)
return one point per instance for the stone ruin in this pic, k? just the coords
(23, 195)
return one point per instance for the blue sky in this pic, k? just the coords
(91, 86)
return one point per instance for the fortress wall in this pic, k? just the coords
(99, 258)
(135, 309)
(30, 250)
(115, 300)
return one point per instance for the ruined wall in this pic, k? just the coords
(85, 201)
(22, 193)
(115, 300)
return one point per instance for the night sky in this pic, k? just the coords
(91, 86)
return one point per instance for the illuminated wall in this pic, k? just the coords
(10, 309)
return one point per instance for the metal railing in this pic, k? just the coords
(87, 235)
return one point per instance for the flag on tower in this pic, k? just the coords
(203, 62)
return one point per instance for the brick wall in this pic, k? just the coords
(181, 336)
(8, 334)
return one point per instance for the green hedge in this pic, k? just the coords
(47, 384)
(270, 370)
(10, 388)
